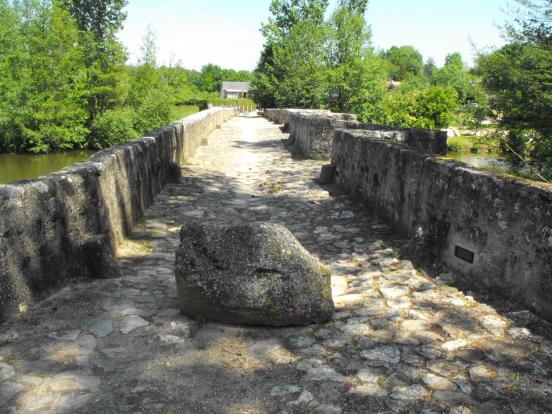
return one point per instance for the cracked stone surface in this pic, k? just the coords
(403, 338)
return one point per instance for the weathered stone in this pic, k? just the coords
(493, 324)
(9, 391)
(454, 345)
(414, 392)
(438, 383)
(327, 174)
(383, 355)
(304, 398)
(101, 328)
(394, 291)
(252, 274)
(132, 322)
(324, 374)
(481, 373)
(99, 257)
(368, 390)
(284, 390)
(74, 381)
(6, 372)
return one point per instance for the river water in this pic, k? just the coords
(15, 167)
(492, 162)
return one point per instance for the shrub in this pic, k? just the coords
(435, 107)
(113, 127)
(154, 112)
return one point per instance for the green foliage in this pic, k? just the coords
(435, 107)
(113, 127)
(518, 77)
(153, 112)
(412, 106)
(98, 22)
(290, 69)
(298, 62)
(355, 78)
(43, 86)
(404, 62)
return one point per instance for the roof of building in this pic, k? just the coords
(235, 86)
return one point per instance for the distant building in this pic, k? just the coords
(234, 90)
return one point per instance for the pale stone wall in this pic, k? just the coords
(494, 231)
(69, 224)
(312, 131)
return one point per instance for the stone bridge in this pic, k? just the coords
(404, 338)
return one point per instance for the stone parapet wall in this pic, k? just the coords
(282, 116)
(69, 224)
(312, 134)
(494, 231)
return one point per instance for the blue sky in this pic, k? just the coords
(226, 32)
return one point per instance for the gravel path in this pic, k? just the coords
(400, 341)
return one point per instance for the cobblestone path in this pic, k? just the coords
(400, 341)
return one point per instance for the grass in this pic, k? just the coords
(182, 111)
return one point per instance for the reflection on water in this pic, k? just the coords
(491, 162)
(15, 167)
(482, 161)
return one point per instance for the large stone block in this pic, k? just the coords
(256, 274)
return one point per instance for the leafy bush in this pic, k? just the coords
(154, 112)
(113, 127)
(435, 107)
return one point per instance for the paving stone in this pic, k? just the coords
(481, 373)
(132, 322)
(74, 381)
(9, 391)
(438, 383)
(493, 324)
(6, 372)
(394, 291)
(413, 392)
(284, 390)
(454, 345)
(304, 398)
(402, 342)
(101, 328)
(382, 355)
(324, 374)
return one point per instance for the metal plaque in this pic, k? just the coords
(464, 254)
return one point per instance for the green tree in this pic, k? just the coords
(471, 97)
(429, 68)
(298, 61)
(518, 78)
(404, 62)
(271, 78)
(99, 21)
(43, 92)
(414, 106)
(355, 77)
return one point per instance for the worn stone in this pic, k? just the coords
(482, 373)
(394, 291)
(413, 392)
(176, 362)
(253, 274)
(101, 328)
(382, 355)
(438, 383)
(132, 322)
